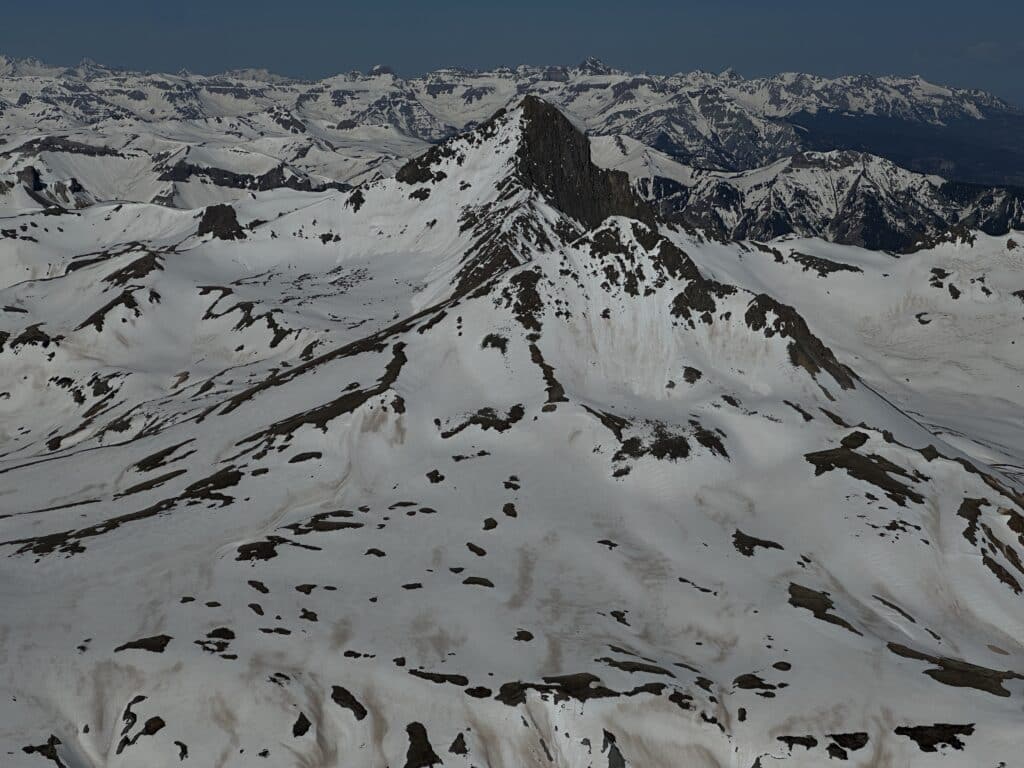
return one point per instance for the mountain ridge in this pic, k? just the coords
(884, 207)
(719, 121)
(842, 196)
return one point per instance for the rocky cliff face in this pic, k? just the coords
(555, 160)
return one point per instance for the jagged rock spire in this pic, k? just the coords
(555, 160)
(594, 66)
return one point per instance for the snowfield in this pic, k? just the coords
(480, 462)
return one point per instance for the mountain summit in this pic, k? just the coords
(555, 160)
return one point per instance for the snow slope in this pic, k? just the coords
(480, 464)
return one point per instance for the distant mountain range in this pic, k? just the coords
(717, 121)
(746, 159)
(842, 196)
(742, 158)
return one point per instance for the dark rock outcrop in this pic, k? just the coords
(221, 221)
(805, 349)
(29, 177)
(275, 178)
(554, 159)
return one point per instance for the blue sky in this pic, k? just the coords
(972, 44)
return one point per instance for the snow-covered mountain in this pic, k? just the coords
(483, 463)
(432, 105)
(845, 197)
(190, 140)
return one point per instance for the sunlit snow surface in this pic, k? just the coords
(427, 473)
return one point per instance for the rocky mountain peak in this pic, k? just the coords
(551, 157)
(554, 159)
(594, 66)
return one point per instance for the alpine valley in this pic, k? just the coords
(547, 416)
